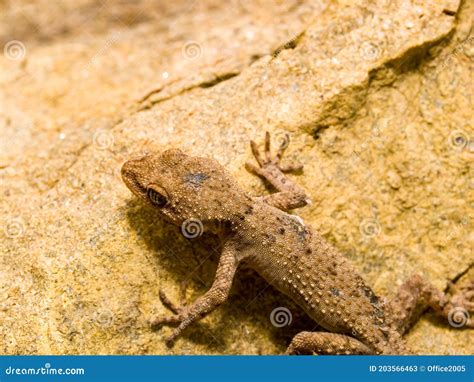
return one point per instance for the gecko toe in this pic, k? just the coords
(267, 147)
(170, 340)
(252, 168)
(158, 322)
(168, 303)
(291, 167)
(256, 153)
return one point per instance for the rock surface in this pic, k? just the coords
(376, 97)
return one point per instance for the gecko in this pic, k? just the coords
(295, 259)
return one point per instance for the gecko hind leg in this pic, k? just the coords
(417, 293)
(289, 195)
(326, 343)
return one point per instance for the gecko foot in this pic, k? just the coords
(174, 320)
(456, 308)
(266, 162)
(159, 321)
(289, 195)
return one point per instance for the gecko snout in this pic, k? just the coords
(133, 176)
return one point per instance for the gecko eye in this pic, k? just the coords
(157, 197)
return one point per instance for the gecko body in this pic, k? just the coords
(289, 255)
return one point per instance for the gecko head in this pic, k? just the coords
(183, 188)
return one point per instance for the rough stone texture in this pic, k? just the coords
(377, 97)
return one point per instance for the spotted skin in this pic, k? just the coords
(285, 251)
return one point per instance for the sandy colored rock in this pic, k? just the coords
(376, 100)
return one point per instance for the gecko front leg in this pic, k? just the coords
(289, 195)
(215, 296)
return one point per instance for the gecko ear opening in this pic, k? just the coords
(157, 195)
